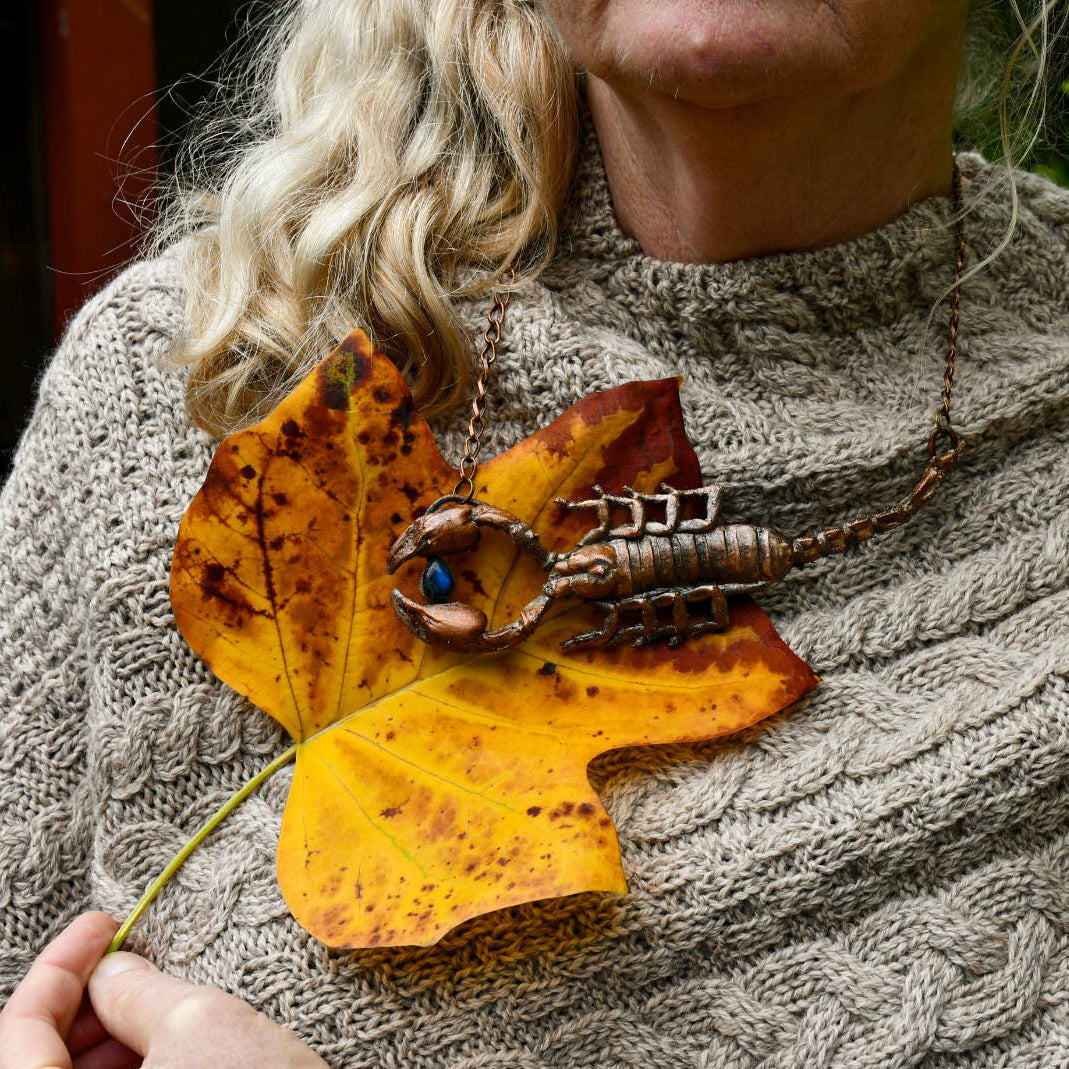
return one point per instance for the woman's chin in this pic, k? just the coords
(733, 52)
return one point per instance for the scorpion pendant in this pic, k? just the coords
(653, 579)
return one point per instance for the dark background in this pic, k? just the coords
(86, 130)
(97, 102)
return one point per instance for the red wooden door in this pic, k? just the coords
(99, 70)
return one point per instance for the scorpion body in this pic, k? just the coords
(644, 575)
(738, 558)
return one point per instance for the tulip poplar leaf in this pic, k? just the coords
(431, 786)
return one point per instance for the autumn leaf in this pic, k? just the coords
(432, 786)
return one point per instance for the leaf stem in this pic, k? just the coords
(199, 836)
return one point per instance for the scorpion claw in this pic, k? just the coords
(456, 625)
(437, 533)
(461, 628)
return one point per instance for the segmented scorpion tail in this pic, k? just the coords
(846, 536)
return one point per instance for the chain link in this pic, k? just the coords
(469, 464)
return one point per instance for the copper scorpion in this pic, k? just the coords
(654, 579)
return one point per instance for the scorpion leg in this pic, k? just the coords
(610, 631)
(700, 524)
(602, 509)
(718, 618)
(718, 604)
(680, 619)
(671, 513)
(636, 506)
(652, 628)
(648, 628)
(671, 509)
(648, 607)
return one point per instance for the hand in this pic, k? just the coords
(137, 1013)
(48, 1022)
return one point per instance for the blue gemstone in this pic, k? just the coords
(436, 582)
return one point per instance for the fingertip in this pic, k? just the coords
(98, 923)
(132, 998)
(42, 1009)
(120, 962)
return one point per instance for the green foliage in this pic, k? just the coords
(1049, 156)
(1053, 158)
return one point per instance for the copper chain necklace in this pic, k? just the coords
(665, 572)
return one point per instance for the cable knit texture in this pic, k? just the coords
(877, 878)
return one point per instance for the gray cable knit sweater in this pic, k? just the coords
(878, 877)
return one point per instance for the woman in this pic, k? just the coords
(762, 204)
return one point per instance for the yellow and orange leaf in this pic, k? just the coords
(433, 786)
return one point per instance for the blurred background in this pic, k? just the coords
(97, 93)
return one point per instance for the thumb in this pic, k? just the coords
(172, 1023)
(137, 1003)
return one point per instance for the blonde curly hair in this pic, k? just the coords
(373, 161)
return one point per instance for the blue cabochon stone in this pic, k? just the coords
(436, 582)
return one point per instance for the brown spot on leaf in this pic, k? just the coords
(214, 573)
(470, 576)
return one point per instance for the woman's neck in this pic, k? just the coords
(705, 185)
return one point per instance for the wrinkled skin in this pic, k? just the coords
(739, 128)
